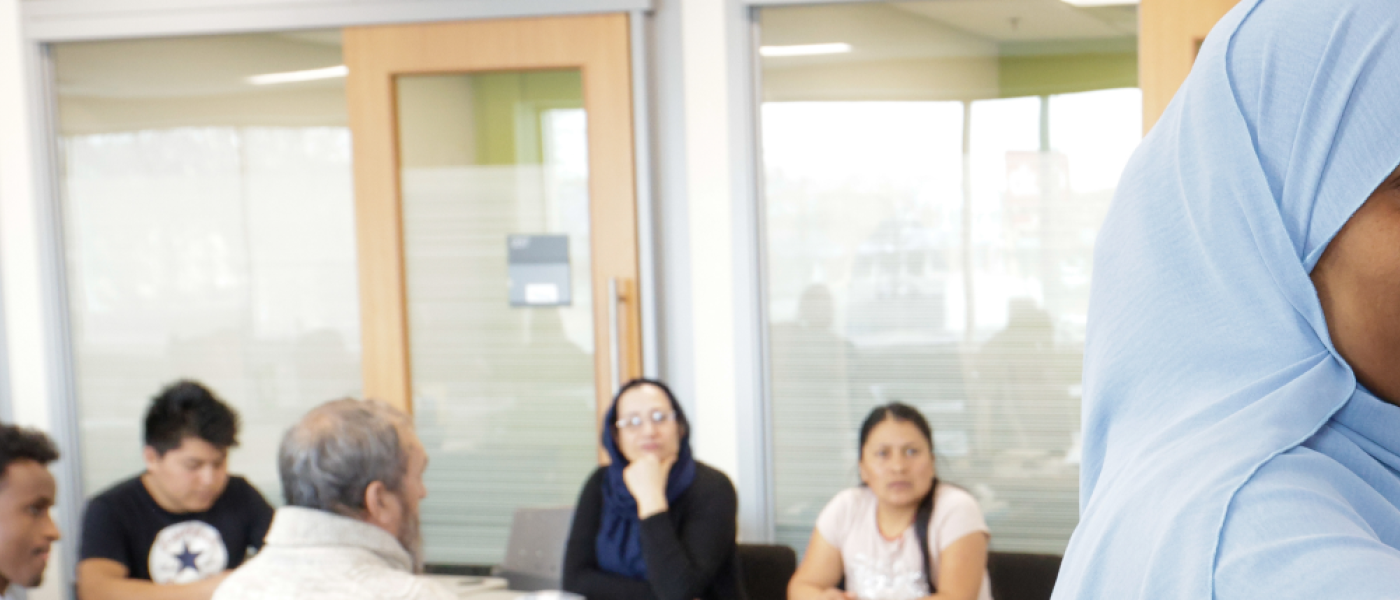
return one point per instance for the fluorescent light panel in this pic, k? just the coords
(295, 76)
(805, 49)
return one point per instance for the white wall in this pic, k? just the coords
(19, 256)
(20, 263)
(710, 229)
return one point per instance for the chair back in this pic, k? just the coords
(1018, 576)
(765, 569)
(535, 553)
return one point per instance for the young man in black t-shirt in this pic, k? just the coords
(176, 530)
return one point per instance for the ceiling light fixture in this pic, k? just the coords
(805, 49)
(295, 76)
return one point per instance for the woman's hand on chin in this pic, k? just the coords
(646, 479)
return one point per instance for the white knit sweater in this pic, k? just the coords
(316, 555)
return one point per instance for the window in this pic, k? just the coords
(209, 234)
(503, 395)
(934, 178)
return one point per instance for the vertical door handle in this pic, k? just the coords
(615, 297)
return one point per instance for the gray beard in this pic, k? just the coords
(411, 538)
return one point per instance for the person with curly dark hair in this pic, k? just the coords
(176, 530)
(27, 491)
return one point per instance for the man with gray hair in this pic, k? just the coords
(352, 473)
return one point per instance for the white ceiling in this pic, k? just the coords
(191, 66)
(876, 31)
(943, 29)
(1028, 20)
(219, 65)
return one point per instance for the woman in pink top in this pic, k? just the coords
(901, 535)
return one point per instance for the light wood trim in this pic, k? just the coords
(378, 223)
(1171, 32)
(632, 328)
(598, 45)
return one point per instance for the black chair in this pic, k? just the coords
(764, 570)
(1018, 576)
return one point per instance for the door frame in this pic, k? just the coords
(598, 47)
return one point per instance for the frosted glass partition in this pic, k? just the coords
(215, 245)
(219, 254)
(503, 394)
(931, 200)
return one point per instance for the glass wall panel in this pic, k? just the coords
(935, 174)
(494, 173)
(209, 234)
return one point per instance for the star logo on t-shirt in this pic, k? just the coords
(187, 552)
(187, 558)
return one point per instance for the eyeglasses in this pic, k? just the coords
(657, 417)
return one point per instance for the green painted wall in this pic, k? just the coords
(507, 109)
(1037, 75)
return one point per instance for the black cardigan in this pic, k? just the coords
(688, 548)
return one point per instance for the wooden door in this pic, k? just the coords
(593, 52)
(1170, 34)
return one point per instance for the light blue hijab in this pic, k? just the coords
(1207, 351)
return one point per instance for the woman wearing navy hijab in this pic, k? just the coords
(655, 523)
(1242, 365)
